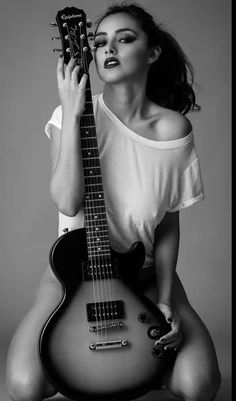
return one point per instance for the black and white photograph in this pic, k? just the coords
(115, 200)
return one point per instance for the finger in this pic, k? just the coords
(83, 82)
(75, 76)
(60, 69)
(69, 68)
(173, 334)
(175, 345)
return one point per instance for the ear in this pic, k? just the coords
(154, 54)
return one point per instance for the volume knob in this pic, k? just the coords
(157, 352)
(142, 317)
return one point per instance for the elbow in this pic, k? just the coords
(66, 204)
(68, 211)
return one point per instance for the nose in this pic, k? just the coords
(110, 48)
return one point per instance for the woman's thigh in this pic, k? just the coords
(24, 375)
(196, 368)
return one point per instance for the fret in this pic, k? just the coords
(89, 174)
(95, 214)
(98, 184)
(92, 189)
(96, 192)
(92, 180)
(95, 217)
(92, 158)
(84, 135)
(90, 148)
(101, 255)
(99, 242)
(95, 210)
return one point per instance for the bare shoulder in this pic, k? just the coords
(171, 125)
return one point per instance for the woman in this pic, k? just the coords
(150, 171)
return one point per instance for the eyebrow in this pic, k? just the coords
(117, 31)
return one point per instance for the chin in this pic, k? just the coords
(113, 76)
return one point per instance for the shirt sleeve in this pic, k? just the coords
(56, 120)
(189, 187)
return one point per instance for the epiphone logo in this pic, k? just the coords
(65, 17)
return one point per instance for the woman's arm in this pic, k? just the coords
(67, 181)
(166, 256)
(166, 250)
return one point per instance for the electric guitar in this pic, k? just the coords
(98, 344)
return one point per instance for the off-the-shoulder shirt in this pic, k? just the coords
(142, 179)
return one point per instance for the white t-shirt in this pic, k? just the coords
(142, 179)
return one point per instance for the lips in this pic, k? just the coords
(111, 62)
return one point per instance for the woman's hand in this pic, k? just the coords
(71, 92)
(173, 339)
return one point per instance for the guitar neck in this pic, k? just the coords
(95, 212)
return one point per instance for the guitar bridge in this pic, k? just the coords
(107, 326)
(103, 345)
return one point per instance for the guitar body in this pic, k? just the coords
(112, 370)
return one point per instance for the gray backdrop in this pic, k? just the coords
(28, 96)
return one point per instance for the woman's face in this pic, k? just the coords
(120, 38)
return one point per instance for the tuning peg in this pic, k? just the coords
(53, 24)
(89, 23)
(57, 50)
(56, 38)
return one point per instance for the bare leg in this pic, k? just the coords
(195, 375)
(24, 376)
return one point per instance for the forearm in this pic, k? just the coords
(67, 182)
(166, 255)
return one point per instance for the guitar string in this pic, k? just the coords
(102, 264)
(102, 260)
(92, 264)
(100, 305)
(109, 283)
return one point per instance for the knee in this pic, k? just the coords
(201, 389)
(22, 389)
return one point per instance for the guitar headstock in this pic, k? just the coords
(72, 25)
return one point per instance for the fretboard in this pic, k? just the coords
(95, 212)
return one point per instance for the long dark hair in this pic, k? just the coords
(170, 79)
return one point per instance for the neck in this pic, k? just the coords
(127, 102)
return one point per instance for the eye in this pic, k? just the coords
(99, 43)
(126, 39)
